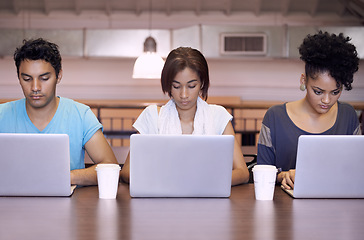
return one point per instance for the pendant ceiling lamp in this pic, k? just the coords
(149, 65)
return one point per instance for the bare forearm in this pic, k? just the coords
(125, 171)
(100, 152)
(125, 174)
(84, 177)
(239, 176)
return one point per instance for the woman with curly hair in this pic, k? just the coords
(330, 63)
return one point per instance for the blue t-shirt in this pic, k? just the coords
(278, 138)
(72, 118)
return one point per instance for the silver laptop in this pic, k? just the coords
(181, 165)
(34, 165)
(329, 166)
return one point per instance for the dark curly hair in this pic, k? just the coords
(180, 58)
(324, 52)
(39, 49)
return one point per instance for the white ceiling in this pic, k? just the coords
(170, 7)
(179, 13)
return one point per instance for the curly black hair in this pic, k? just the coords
(39, 49)
(324, 52)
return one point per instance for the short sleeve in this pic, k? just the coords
(221, 118)
(266, 152)
(147, 122)
(90, 125)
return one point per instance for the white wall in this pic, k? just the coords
(268, 79)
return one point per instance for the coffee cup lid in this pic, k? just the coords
(265, 168)
(108, 166)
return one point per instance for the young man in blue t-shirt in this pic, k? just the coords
(39, 71)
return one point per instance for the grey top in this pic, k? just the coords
(278, 137)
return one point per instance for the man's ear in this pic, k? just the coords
(59, 76)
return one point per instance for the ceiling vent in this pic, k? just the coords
(243, 44)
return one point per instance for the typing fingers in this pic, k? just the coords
(287, 182)
(285, 185)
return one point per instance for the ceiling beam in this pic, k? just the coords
(257, 7)
(357, 6)
(46, 7)
(198, 7)
(77, 7)
(138, 7)
(314, 8)
(285, 7)
(168, 5)
(108, 8)
(343, 7)
(228, 6)
(15, 6)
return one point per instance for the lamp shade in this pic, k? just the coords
(149, 64)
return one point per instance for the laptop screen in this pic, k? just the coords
(329, 166)
(34, 165)
(181, 165)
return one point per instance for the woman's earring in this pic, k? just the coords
(303, 87)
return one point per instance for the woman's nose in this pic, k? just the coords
(184, 93)
(325, 98)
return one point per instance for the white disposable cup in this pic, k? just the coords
(264, 181)
(108, 180)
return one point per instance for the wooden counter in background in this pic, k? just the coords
(117, 116)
